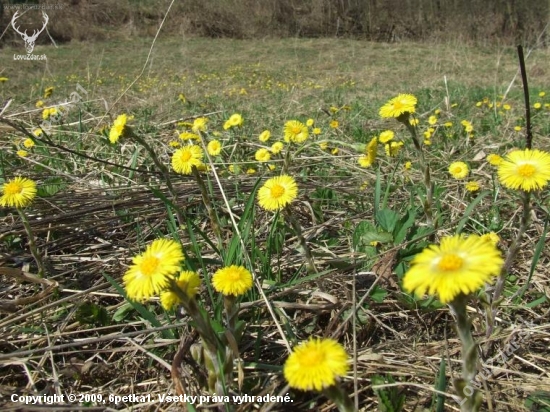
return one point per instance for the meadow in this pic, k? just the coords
(129, 144)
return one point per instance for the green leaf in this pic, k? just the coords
(89, 313)
(389, 399)
(122, 312)
(378, 294)
(387, 219)
(538, 401)
(51, 186)
(539, 301)
(403, 226)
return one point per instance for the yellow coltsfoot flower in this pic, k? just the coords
(315, 364)
(525, 170)
(403, 103)
(150, 271)
(18, 192)
(459, 265)
(232, 280)
(277, 192)
(185, 158)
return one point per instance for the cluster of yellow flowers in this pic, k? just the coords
(154, 272)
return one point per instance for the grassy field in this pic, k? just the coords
(330, 264)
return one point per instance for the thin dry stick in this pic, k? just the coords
(528, 132)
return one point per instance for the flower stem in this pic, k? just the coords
(471, 398)
(510, 256)
(32, 243)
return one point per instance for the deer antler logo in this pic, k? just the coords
(29, 40)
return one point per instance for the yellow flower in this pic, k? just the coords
(295, 132)
(459, 170)
(150, 271)
(537, 105)
(188, 136)
(407, 165)
(232, 280)
(491, 237)
(174, 143)
(542, 94)
(403, 103)
(3, 79)
(525, 169)
(37, 132)
(310, 122)
(264, 136)
(468, 127)
(323, 145)
(39, 104)
(414, 122)
(364, 161)
(250, 171)
(459, 265)
(472, 186)
(494, 159)
(335, 151)
(315, 364)
(277, 147)
(386, 136)
(48, 92)
(185, 158)
(277, 192)
(28, 143)
(317, 131)
(214, 148)
(262, 155)
(117, 130)
(432, 120)
(334, 124)
(22, 153)
(235, 120)
(199, 124)
(506, 106)
(372, 149)
(393, 148)
(188, 282)
(49, 112)
(370, 153)
(448, 124)
(18, 192)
